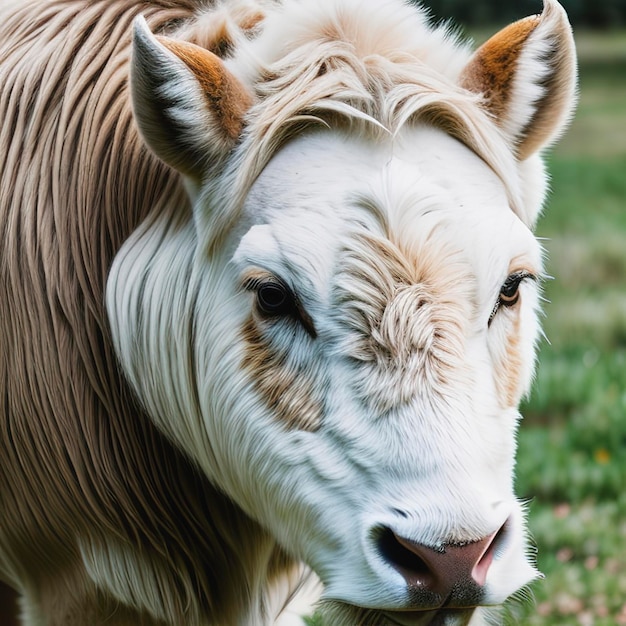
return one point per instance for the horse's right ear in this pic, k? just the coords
(189, 107)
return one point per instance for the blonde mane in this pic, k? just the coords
(76, 181)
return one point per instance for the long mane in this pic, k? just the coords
(76, 182)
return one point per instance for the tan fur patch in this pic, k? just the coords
(405, 311)
(251, 20)
(226, 96)
(287, 391)
(509, 373)
(493, 67)
(221, 28)
(560, 91)
(222, 43)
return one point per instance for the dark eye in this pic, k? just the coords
(509, 292)
(274, 298)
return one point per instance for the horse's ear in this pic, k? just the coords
(527, 75)
(189, 107)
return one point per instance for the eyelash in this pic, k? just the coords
(509, 292)
(279, 301)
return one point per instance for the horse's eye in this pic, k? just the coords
(274, 298)
(509, 292)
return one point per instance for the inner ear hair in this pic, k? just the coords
(527, 75)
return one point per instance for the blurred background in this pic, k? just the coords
(582, 13)
(572, 454)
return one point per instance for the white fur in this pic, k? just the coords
(425, 449)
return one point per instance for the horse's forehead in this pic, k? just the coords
(333, 166)
(409, 190)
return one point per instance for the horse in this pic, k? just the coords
(270, 292)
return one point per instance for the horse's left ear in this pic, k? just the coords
(527, 74)
(189, 107)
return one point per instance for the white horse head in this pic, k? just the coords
(341, 329)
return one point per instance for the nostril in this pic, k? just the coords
(411, 565)
(456, 571)
(414, 568)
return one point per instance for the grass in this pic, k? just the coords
(572, 453)
(599, 130)
(571, 463)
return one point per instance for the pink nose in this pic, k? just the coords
(454, 572)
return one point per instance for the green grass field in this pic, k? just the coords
(572, 454)
(572, 448)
